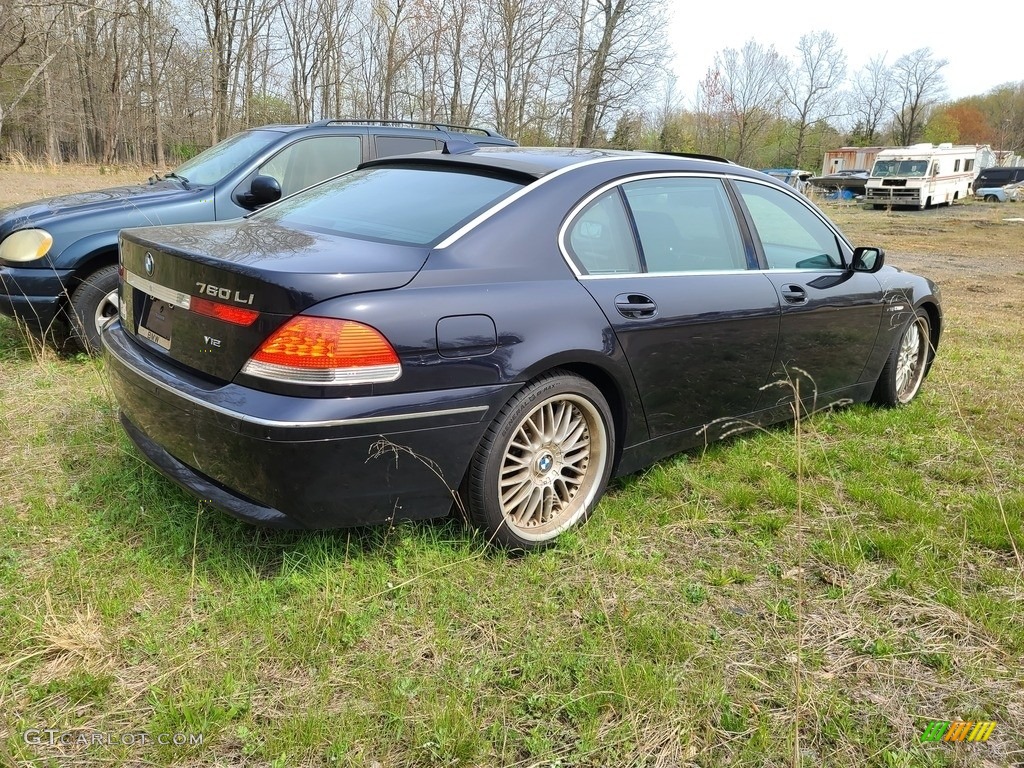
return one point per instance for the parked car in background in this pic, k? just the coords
(794, 177)
(519, 323)
(58, 257)
(843, 185)
(997, 177)
(1008, 193)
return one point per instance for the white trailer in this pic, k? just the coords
(923, 175)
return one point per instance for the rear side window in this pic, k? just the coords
(600, 239)
(403, 145)
(685, 225)
(408, 206)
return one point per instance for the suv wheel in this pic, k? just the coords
(94, 303)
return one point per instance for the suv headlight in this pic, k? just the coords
(26, 245)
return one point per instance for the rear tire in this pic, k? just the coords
(990, 198)
(907, 364)
(94, 303)
(543, 463)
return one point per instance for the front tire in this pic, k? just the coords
(544, 462)
(94, 303)
(905, 369)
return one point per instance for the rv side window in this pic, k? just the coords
(968, 165)
(935, 169)
(956, 166)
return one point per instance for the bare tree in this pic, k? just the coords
(743, 87)
(232, 28)
(871, 99)
(918, 84)
(304, 29)
(518, 30)
(812, 88)
(16, 37)
(628, 46)
(460, 49)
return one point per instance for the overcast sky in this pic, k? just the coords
(863, 32)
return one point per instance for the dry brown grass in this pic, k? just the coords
(23, 182)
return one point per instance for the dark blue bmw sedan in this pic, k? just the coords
(512, 326)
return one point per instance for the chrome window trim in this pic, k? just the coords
(689, 273)
(292, 424)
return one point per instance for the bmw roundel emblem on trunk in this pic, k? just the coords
(148, 263)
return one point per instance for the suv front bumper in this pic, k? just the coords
(32, 294)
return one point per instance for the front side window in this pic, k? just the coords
(311, 160)
(393, 204)
(222, 158)
(685, 224)
(792, 236)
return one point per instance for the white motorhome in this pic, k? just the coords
(923, 175)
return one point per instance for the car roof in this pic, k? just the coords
(392, 128)
(540, 161)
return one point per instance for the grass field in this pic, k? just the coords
(807, 597)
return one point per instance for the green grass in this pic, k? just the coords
(700, 618)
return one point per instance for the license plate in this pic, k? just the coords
(157, 323)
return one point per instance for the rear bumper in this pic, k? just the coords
(299, 462)
(31, 294)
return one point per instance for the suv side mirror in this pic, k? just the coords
(263, 191)
(867, 259)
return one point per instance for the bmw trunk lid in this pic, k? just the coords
(207, 295)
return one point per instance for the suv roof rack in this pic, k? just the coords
(444, 127)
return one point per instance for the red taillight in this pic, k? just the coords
(322, 350)
(225, 312)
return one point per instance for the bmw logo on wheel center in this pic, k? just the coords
(148, 263)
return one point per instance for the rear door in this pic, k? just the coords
(830, 315)
(665, 259)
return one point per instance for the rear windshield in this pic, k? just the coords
(409, 206)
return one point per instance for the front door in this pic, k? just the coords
(830, 315)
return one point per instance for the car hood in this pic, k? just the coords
(43, 213)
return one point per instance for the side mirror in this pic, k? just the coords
(263, 191)
(867, 259)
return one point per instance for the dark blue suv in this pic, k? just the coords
(58, 257)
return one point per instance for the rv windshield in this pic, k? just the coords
(902, 168)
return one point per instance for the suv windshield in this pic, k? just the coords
(409, 206)
(900, 168)
(215, 163)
